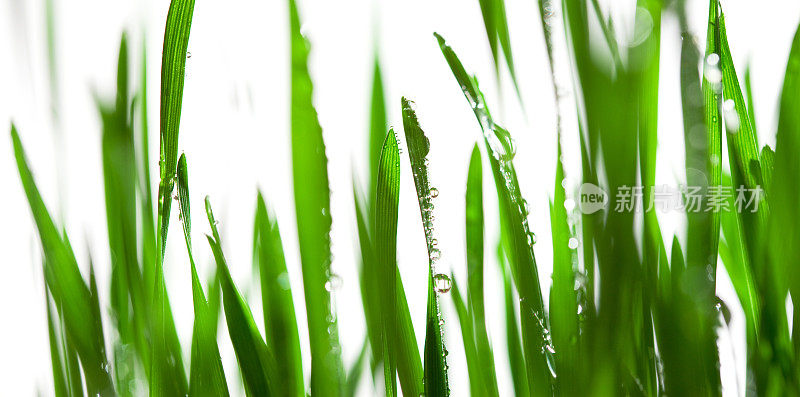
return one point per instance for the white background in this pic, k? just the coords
(235, 133)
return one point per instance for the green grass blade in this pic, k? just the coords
(256, 362)
(516, 360)
(206, 374)
(149, 245)
(377, 128)
(69, 290)
(490, 23)
(516, 233)
(356, 371)
(564, 310)
(435, 361)
(59, 375)
(474, 238)
(312, 204)
(280, 322)
(474, 367)
(387, 201)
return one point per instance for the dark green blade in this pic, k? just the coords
(70, 292)
(387, 200)
(516, 233)
(206, 375)
(59, 375)
(474, 238)
(312, 206)
(256, 361)
(516, 361)
(280, 322)
(435, 353)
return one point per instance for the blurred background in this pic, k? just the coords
(235, 133)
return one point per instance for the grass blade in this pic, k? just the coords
(435, 362)
(280, 322)
(69, 290)
(516, 233)
(387, 200)
(474, 238)
(516, 360)
(312, 204)
(206, 374)
(476, 386)
(256, 362)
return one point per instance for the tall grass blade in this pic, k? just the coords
(387, 200)
(68, 288)
(517, 237)
(256, 361)
(474, 367)
(280, 322)
(435, 353)
(206, 375)
(312, 204)
(475, 269)
(516, 360)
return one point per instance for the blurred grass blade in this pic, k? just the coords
(280, 322)
(474, 367)
(149, 245)
(496, 24)
(474, 238)
(206, 374)
(377, 130)
(516, 360)
(387, 200)
(70, 292)
(59, 375)
(516, 234)
(256, 362)
(312, 206)
(435, 362)
(355, 372)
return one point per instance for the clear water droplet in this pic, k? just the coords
(434, 192)
(531, 238)
(573, 243)
(188, 54)
(569, 204)
(501, 143)
(442, 283)
(334, 282)
(435, 254)
(283, 281)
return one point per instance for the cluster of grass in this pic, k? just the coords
(626, 315)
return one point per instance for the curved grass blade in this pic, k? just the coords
(516, 233)
(280, 322)
(206, 375)
(474, 238)
(70, 292)
(387, 200)
(435, 362)
(256, 361)
(312, 205)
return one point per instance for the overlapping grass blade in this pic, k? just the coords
(516, 360)
(70, 292)
(435, 353)
(59, 374)
(280, 322)
(517, 237)
(357, 370)
(206, 375)
(496, 24)
(167, 376)
(474, 238)
(312, 205)
(256, 361)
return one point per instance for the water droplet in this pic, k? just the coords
(573, 243)
(569, 204)
(731, 116)
(283, 281)
(713, 59)
(188, 54)
(334, 282)
(531, 238)
(525, 208)
(711, 70)
(435, 254)
(175, 197)
(501, 143)
(434, 242)
(434, 192)
(643, 26)
(441, 283)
